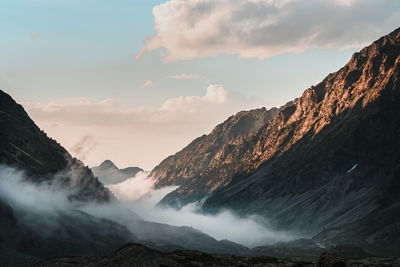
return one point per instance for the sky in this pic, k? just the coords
(136, 80)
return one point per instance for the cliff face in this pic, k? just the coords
(328, 159)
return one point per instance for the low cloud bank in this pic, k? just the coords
(18, 192)
(138, 194)
(39, 204)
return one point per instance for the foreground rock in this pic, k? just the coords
(139, 255)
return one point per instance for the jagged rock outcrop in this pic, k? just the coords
(108, 173)
(328, 161)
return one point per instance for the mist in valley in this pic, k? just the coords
(139, 195)
(40, 205)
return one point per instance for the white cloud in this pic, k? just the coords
(139, 136)
(184, 76)
(190, 29)
(147, 84)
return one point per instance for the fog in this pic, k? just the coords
(21, 194)
(138, 194)
(37, 202)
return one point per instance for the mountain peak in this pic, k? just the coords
(306, 149)
(108, 164)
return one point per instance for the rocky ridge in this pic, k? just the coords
(325, 165)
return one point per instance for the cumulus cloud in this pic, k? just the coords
(147, 84)
(189, 29)
(137, 136)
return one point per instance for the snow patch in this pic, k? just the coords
(352, 168)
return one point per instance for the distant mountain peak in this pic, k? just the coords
(108, 173)
(108, 164)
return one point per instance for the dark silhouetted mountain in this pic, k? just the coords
(108, 173)
(29, 233)
(325, 164)
(24, 146)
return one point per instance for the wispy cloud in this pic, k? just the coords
(141, 136)
(184, 76)
(34, 35)
(147, 84)
(189, 29)
(84, 146)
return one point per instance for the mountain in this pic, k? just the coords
(108, 173)
(325, 165)
(53, 205)
(209, 161)
(28, 233)
(24, 146)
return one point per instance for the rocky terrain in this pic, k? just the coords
(139, 255)
(209, 161)
(325, 165)
(108, 173)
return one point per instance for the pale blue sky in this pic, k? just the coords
(77, 53)
(87, 49)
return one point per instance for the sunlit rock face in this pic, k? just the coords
(211, 160)
(327, 161)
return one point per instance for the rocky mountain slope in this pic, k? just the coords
(108, 173)
(209, 161)
(328, 161)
